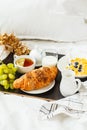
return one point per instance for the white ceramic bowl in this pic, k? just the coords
(19, 63)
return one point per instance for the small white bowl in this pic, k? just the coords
(19, 63)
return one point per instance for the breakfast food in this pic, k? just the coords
(24, 62)
(36, 79)
(13, 44)
(79, 66)
(7, 75)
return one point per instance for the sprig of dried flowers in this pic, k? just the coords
(13, 44)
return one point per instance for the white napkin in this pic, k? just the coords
(74, 106)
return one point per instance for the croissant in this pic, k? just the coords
(36, 79)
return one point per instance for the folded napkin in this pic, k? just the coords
(74, 106)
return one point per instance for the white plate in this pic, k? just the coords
(63, 62)
(42, 90)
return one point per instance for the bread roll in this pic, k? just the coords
(36, 79)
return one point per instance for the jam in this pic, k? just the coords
(27, 62)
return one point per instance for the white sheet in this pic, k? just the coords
(61, 47)
(21, 113)
(44, 19)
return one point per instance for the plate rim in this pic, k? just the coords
(61, 59)
(42, 90)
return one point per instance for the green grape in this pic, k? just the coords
(14, 69)
(11, 76)
(4, 82)
(10, 65)
(0, 77)
(3, 66)
(11, 71)
(6, 86)
(1, 82)
(1, 71)
(11, 86)
(4, 76)
(6, 71)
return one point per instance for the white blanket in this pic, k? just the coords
(22, 113)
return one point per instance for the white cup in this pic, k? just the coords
(49, 61)
(50, 57)
(37, 54)
(69, 85)
(50, 52)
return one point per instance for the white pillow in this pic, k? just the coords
(44, 19)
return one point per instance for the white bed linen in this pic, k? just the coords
(21, 113)
(44, 19)
(62, 47)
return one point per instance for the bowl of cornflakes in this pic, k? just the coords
(79, 66)
(75, 62)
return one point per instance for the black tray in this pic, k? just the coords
(53, 94)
